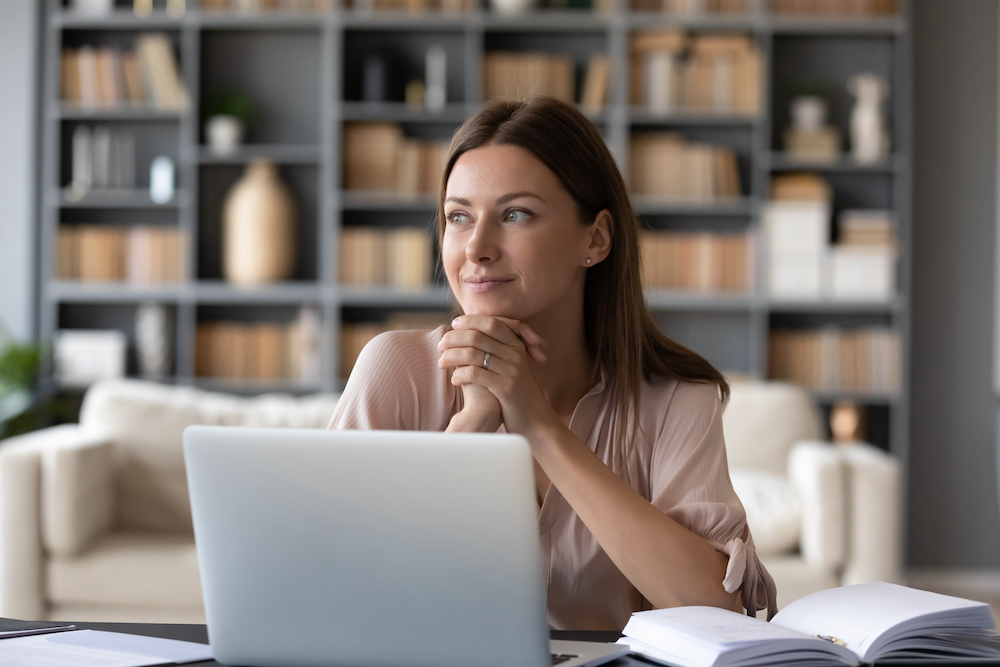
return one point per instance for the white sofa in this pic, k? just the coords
(95, 522)
(822, 515)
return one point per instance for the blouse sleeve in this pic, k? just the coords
(689, 480)
(396, 385)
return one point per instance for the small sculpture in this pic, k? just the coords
(869, 137)
(847, 422)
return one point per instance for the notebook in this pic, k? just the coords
(386, 548)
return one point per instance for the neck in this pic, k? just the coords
(568, 373)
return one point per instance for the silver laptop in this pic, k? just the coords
(372, 548)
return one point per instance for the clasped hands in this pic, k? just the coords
(504, 391)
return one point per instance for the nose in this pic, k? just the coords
(482, 247)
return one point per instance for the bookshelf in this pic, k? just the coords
(303, 71)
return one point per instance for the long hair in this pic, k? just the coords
(625, 342)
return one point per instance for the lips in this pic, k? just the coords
(485, 283)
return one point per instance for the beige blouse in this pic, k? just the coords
(678, 464)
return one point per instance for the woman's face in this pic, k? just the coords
(513, 242)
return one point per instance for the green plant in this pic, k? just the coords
(21, 408)
(809, 88)
(230, 103)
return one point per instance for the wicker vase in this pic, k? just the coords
(258, 235)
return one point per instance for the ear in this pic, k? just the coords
(599, 237)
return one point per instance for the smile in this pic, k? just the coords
(486, 284)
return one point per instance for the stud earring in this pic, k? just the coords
(588, 261)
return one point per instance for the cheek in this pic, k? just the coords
(452, 254)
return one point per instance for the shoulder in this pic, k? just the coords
(679, 413)
(664, 398)
(401, 350)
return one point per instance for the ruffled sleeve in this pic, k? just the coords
(689, 480)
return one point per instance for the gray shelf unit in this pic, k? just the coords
(303, 72)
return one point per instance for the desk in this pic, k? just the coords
(199, 633)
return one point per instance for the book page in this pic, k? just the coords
(860, 615)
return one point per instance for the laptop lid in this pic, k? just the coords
(367, 547)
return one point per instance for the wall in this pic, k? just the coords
(18, 76)
(953, 503)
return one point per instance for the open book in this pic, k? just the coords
(841, 626)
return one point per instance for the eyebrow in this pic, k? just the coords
(500, 200)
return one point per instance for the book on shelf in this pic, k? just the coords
(354, 336)
(519, 75)
(862, 360)
(596, 83)
(692, 7)
(850, 625)
(670, 71)
(400, 257)
(108, 78)
(834, 7)
(138, 254)
(697, 261)
(378, 157)
(260, 351)
(665, 165)
(249, 6)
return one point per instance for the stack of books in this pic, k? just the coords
(378, 157)
(354, 337)
(265, 351)
(104, 77)
(797, 236)
(139, 254)
(518, 75)
(376, 256)
(834, 7)
(863, 261)
(666, 166)
(864, 360)
(697, 261)
(671, 72)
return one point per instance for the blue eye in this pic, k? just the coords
(457, 218)
(514, 215)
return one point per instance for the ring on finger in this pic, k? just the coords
(486, 360)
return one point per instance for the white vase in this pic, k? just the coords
(152, 340)
(808, 113)
(258, 234)
(224, 134)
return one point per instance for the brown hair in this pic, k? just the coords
(620, 333)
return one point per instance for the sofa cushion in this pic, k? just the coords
(145, 421)
(773, 507)
(763, 420)
(129, 569)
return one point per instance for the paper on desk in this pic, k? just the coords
(95, 648)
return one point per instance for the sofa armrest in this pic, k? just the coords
(875, 522)
(21, 517)
(77, 494)
(817, 471)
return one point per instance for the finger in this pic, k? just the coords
(486, 343)
(521, 332)
(491, 326)
(480, 377)
(532, 341)
(469, 356)
(524, 331)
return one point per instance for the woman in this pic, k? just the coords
(540, 246)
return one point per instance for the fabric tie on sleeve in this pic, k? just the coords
(746, 572)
